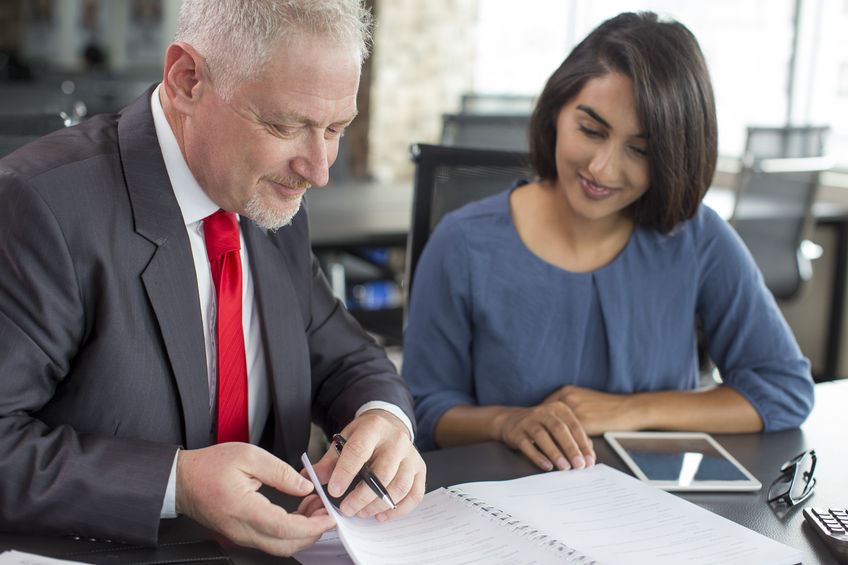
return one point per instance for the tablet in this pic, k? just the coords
(681, 461)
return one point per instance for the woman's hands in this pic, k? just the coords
(599, 412)
(549, 434)
(555, 433)
(719, 409)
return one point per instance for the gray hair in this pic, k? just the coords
(235, 36)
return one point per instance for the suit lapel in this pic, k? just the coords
(169, 278)
(284, 341)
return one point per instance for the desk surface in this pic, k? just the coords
(360, 213)
(762, 454)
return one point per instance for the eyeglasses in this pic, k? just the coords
(796, 481)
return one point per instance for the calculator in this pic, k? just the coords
(832, 525)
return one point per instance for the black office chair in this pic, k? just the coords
(16, 130)
(776, 189)
(506, 132)
(446, 178)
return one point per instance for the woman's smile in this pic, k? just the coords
(594, 191)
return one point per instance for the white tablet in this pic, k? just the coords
(681, 461)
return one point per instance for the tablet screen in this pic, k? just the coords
(681, 461)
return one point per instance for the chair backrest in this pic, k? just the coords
(785, 142)
(16, 130)
(776, 189)
(506, 132)
(447, 178)
(516, 104)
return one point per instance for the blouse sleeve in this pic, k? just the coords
(747, 336)
(437, 341)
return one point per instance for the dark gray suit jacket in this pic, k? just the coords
(102, 357)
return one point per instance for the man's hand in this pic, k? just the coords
(218, 487)
(380, 439)
(549, 434)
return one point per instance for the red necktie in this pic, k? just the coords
(221, 232)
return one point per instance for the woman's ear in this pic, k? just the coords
(186, 77)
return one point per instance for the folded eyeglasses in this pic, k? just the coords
(796, 481)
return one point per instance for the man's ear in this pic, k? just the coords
(186, 77)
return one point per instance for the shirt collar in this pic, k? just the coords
(194, 203)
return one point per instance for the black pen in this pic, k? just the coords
(367, 475)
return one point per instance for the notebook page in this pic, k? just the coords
(328, 550)
(14, 557)
(616, 518)
(442, 529)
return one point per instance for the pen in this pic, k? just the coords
(367, 475)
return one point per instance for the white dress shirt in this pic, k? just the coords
(194, 206)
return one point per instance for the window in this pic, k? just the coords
(748, 45)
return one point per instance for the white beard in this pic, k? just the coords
(269, 218)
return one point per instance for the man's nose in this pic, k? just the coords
(312, 161)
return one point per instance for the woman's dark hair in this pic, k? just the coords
(674, 102)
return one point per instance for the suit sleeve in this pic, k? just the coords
(57, 479)
(348, 368)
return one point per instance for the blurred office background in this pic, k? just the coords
(773, 63)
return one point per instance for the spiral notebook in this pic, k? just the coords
(596, 515)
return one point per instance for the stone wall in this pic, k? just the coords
(423, 61)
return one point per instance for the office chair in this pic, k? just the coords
(514, 104)
(776, 189)
(446, 178)
(16, 130)
(506, 132)
(788, 142)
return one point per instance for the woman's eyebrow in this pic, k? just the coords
(595, 116)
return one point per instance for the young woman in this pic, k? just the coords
(567, 307)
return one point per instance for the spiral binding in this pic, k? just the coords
(541, 539)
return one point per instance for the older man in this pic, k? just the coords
(142, 360)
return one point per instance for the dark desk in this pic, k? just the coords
(359, 214)
(762, 454)
(347, 219)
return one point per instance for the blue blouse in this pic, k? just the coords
(491, 323)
